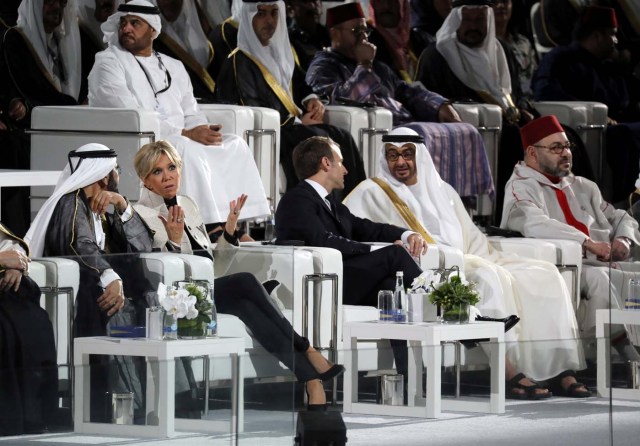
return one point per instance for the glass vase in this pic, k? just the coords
(192, 328)
(456, 314)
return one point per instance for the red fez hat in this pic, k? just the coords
(538, 129)
(598, 17)
(342, 13)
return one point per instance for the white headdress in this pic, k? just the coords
(277, 56)
(147, 11)
(79, 172)
(481, 69)
(428, 199)
(188, 33)
(30, 22)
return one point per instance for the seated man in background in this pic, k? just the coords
(467, 38)
(184, 39)
(349, 70)
(409, 192)
(74, 222)
(263, 72)
(40, 64)
(28, 368)
(307, 34)
(129, 74)
(592, 69)
(309, 213)
(544, 199)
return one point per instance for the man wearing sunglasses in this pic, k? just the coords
(544, 199)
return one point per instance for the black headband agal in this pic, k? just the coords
(416, 139)
(140, 9)
(89, 154)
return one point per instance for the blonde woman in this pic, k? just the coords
(179, 227)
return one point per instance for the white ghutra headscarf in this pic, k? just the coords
(188, 33)
(85, 172)
(483, 69)
(277, 56)
(30, 22)
(428, 198)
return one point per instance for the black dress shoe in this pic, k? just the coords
(335, 370)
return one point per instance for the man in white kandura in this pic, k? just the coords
(130, 74)
(544, 199)
(409, 192)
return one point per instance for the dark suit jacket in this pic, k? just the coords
(303, 215)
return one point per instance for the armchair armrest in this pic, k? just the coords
(59, 280)
(565, 254)
(364, 124)
(234, 119)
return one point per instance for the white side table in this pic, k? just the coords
(160, 395)
(629, 317)
(424, 336)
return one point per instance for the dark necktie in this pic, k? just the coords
(332, 206)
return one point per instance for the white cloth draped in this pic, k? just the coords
(86, 15)
(67, 34)
(211, 175)
(482, 69)
(544, 343)
(277, 56)
(188, 33)
(532, 208)
(88, 172)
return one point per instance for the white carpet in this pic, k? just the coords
(558, 421)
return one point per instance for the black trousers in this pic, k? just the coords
(366, 274)
(28, 369)
(244, 297)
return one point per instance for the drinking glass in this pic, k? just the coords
(632, 299)
(387, 305)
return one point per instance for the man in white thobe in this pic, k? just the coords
(129, 74)
(408, 191)
(544, 199)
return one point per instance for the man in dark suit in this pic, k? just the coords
(309, 213)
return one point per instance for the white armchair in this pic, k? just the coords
(59, 280)
(56, 130)
(565, 254)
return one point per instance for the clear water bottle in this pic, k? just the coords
(212, 326)
(400, 296)
(170, 329)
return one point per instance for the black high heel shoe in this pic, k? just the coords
(314, 407)
(335, 370)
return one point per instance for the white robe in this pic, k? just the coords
(544, 342)
(211, 175)
(531, 207)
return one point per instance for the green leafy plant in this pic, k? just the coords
(454, 297)
(454, 292)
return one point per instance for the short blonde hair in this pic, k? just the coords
(149, 154)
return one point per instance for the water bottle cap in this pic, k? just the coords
(399, 273)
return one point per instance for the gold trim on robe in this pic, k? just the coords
(404, 210)
(283, 95)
